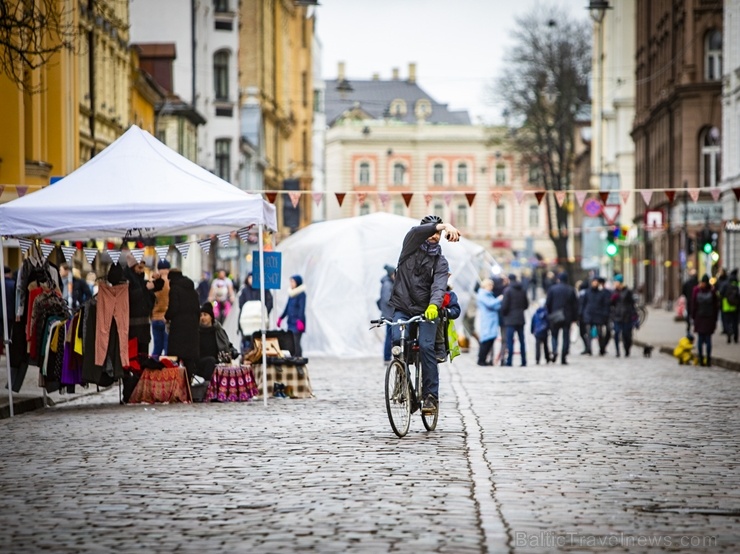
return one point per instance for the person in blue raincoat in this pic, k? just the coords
(295, 312)
(488, 321)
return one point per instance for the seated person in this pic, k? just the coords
(214, 343)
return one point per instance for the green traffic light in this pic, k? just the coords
(707, 248)
(611, 249)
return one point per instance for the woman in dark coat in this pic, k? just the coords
(704, 312)
(183, 315)
(295, 312)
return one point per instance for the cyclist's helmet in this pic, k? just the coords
(431, 219)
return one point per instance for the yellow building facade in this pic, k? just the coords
(275, 59)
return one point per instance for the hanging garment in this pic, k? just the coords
(112, 304)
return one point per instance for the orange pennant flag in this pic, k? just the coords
(694, 194)
(470, 196)
(407, 196)
(340, 197)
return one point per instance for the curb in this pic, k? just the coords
(25, 405)
(716, 362)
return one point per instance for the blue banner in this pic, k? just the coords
(273, 264)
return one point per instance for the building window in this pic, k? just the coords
(500, 216)
(399, 174)
(223, 158)
(710, 157)
(500, 174)
(713, 55)
(364, 175)
(461, 216)
(318, 101)
(462, 174)
(439, 210)
(423, 108)
(221, 75)
(438, 174)
(398, 208)
(534, 173)
(364, 208)
(534, 216)
(221, 6)
(398, 108)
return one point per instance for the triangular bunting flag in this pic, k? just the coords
(625, 194)
(69, 252)
(496, 197)
(647, 194)
(715, 193)
(471, 197)
(581, 196)
(162, 251)
(671, 194)
(448, 198)
(694, 194)
(539, 195)
(90, 254)
(384, 198)
(131, 244)
(560, 197)
(205, 245)
(224, 239)
(25, 244)
(604, 195)
(21, 191)
(115, 255)
(243, 234)
(361, 197)
(295, 197)
(183, 248)
(427, 199)
(519, 195)
(340, 197)
(407, 196)
(317, 197)
(47, 249)
(271, 197)
(2, 189)
(736, 190)
(138, 254)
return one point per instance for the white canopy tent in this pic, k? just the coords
(341, 263)
(137, 187)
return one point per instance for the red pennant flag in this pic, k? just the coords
(340, 197)
(271, 197)
(604, 197)
(295, 197)
(427, 199)
(407, 197)
(671, 194)
(736, 190)
(470, 196)
(539, 195)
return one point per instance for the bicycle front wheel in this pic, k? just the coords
(430, 420)
(398, 397)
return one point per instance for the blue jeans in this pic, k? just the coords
(704, 343)
(387, 345)
(623, 332)
(427, 336)
(159, 332)
(519, 330)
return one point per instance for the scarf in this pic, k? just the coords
(433, 249)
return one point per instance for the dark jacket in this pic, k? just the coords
(562, 296)
(704, 325)
(212, 340)
(596, 306)
(183, 313)
(140, 304)
(688, 290)
(623, 306)
(295, 309)
(421, 278)
(248, 294)
(514, 305)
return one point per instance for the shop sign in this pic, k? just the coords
(272, 270)
(732, 226)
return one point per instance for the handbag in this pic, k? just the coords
(557, 317)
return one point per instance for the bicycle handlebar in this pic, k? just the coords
(391, 323)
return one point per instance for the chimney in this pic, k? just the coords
(376, 76)
(412, 73)
(395, 74)
(340, 71)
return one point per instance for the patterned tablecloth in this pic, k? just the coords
(166, 385)
(295, 378)
(231, 384)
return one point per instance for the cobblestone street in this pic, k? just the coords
(605, 454)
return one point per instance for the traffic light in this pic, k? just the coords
(707, 240)
(611, 245)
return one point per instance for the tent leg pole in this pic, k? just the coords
(46, 402)
(264, 323)
(6, 340)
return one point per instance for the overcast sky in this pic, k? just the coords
(457, 45)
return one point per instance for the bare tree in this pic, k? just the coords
(31, 32)
(543, 88)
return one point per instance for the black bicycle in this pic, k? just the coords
(402, 392)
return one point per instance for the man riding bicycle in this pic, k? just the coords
(420, 285)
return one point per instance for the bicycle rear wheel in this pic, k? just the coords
(398, 397)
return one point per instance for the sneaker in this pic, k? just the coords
(430, 405)
(441, 359)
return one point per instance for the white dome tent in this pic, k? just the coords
(341, 263)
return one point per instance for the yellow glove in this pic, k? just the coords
(431, 312)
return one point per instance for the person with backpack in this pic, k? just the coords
(705, 306)
(540, 328)
(730, 295)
